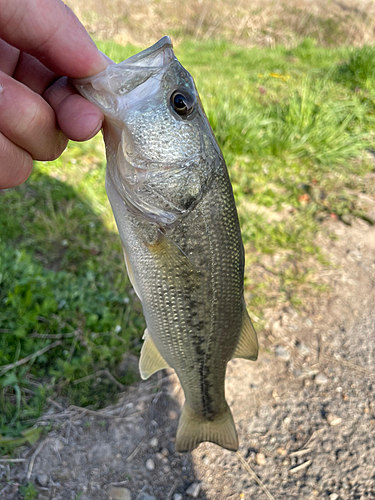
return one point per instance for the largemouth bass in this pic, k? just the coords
(170, 193)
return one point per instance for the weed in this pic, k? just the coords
(359, 71)
(28, 491)
(58, 284)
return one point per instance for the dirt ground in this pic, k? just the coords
(305, 412)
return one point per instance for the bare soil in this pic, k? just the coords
(305, 411)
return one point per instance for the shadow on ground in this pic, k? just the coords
(85, 450)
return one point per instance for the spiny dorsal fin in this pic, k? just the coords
(194, 429)
(247, 346)
(151, 360)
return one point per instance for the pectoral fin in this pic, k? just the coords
(247, 346)
(151, 360)
(172, 259)
(130, 272)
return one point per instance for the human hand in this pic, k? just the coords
(40, 40)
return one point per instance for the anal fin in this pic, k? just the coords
(247, 346)
(194, 429)
(151, 360)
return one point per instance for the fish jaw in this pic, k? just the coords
(119, 85)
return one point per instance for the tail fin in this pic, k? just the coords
(193, 429)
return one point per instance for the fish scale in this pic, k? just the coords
(174, 207)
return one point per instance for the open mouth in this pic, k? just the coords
(157, 56)
(123, 78)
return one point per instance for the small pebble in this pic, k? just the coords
(116, 493)
(140, 406)
(42, 479)
(282, 353)
(277, 329)
(193, 490)
(327, 446)
(303, 349)
(333, 496)
(177, 496)
(282, 451)
(321, 379)
(150, 464)
(59, 445)
(355, 255)
(260, 459)
(154, 442)
(173, 415)
(146, 496)
(165, 452)
(333, 419)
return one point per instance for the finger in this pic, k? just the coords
(33, 73)
(8, 57)
(48, 30)
(15, 164)
(78, 118)
(28, 121)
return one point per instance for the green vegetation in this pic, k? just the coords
(28, 491)
(296, 128)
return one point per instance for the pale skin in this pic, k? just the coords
(41, 44)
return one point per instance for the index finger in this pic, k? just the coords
(48, 30)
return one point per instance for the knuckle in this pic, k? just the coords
(46, 141)
(25, 168)
(16, 164)
(30, 119)
(52, 148)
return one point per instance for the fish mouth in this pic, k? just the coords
(123, 78)
(157, 56)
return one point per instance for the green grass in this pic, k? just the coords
(295, 127)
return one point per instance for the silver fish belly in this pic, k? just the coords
(173, 203)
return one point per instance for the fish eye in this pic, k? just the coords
(182, 102)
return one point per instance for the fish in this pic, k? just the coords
(169, 189)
